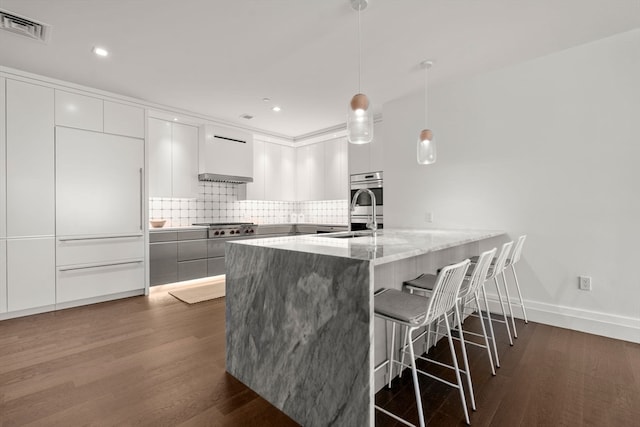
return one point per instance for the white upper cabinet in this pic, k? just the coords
(173, 159)
(256, 189)
(79, 111)
(321, 171)
(30, 160)
(288, 173)
(121, 119)
(335, 170)
(184, 165)
(86, 112)
(226, 151)
(310, 179)
(377, 149)
(367, 157)
(272, 172)
(160, 153)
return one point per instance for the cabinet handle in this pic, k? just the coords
(141, 198)
(117, 236)
(84, 267)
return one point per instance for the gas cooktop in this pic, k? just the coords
(222, 224)
(226, 229)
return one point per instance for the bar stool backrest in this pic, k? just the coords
(517, 250)
(470, 287)
(445, 291)
(501, 261)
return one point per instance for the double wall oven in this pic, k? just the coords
(361, 214)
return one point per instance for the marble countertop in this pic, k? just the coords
(264, 226)
(384, 246)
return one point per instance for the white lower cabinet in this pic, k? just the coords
(91, 281)
(3, 276)
(31, 281)
(80, 251)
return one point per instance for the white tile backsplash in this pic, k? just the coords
(218, 202)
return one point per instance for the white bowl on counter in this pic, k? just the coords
(158, 223)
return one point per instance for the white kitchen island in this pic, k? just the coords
(300, 329)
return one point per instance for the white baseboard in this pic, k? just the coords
(592, 322)
(102, 298)
(27, 312)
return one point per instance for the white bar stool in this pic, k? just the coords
(415, 312)
(511, 262)
(467, 296)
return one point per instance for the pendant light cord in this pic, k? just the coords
(426, 96)
(359, 50)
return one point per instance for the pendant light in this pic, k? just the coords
(426, 144)
(360, 111)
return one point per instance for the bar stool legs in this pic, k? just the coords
(504, 312)
(515, 276)
(506, 290)
(465, 359)
(414, 373)
(493, 334)
(515, 257)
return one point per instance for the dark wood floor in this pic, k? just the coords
(156, 361)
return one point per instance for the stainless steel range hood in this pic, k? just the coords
(214, 177)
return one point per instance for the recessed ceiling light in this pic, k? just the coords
(100, 51)
(276, 108)
(266, 99)
(175, 119)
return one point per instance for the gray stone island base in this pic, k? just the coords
(299, 332)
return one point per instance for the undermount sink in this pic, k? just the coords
(350, 234)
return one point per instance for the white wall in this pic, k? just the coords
(551, 148)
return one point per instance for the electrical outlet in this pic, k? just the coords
(584, 283)
(428, 217)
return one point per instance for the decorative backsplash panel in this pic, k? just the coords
(218, 202)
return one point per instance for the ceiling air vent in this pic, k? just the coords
(246, 116)
(24, 26)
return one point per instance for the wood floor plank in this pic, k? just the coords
(156, 361)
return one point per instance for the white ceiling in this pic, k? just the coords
(222, 57)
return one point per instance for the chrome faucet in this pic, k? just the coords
(373, 225)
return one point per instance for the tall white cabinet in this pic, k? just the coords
(173, 159)
(3, 199)
(336, 175)
(30, 196)
(71, 198)
(100, 214)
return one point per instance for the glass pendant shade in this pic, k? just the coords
(359, 120)
(426, 148)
